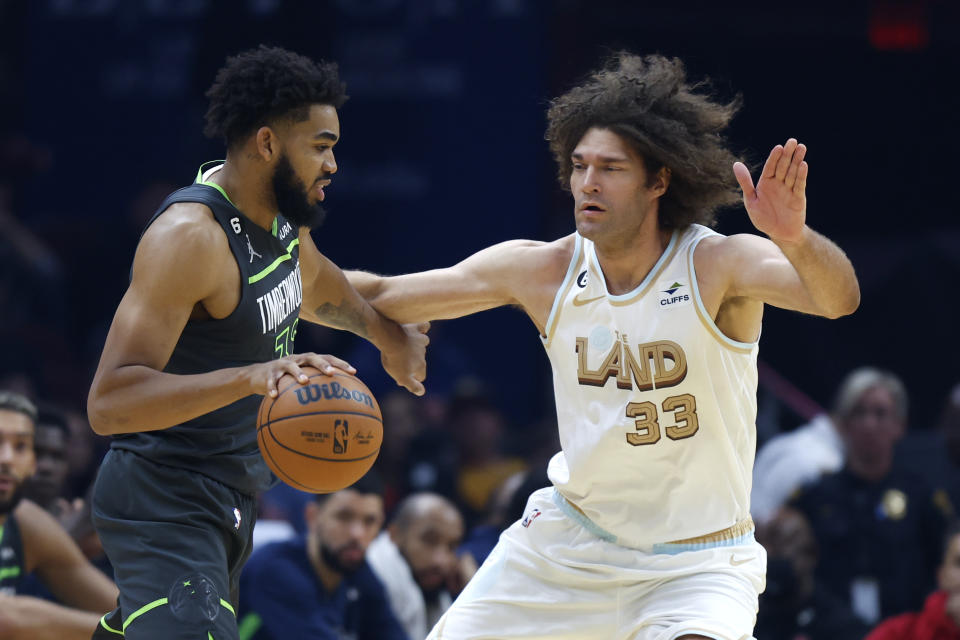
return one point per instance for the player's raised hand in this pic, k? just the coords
(777, 206)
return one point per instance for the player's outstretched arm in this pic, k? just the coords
(516, 272)
(52, 554)
(28, 618)
(329, 299)
(797, 268)
(182, 262)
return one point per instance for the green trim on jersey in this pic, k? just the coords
(200, 180)
(142, 610)
(273, 229)
(9, 572)
(153, 605)
(276, 263)
(226, 605)
(103, 623)
(249, 626)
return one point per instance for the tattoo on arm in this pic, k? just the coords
(343, 317)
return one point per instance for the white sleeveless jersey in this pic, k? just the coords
(656, 407)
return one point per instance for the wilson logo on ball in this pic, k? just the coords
(331, 391)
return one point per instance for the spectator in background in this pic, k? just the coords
(940, 617)
(321, 587)
(478, 427)
(32, 541)
(50, 445)
(794, 606)
(417, 563)
(879, 526)
(791, 460)
(935, 453)
(506, 507)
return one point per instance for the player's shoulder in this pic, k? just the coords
(544, 255)
(32, 518)
(184, 223)
(185, 235)
(717, 248)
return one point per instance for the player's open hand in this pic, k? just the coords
(778, 204)
(264, 377)
(406, 359)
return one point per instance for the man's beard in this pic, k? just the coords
(7, 506)
(332, 559)
(291, 196)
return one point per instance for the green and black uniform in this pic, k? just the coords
(11, 556)
(175, 508)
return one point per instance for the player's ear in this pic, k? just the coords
(661, 181)
(268, 145)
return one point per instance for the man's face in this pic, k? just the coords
(873, 426)
(17, 461)
(50, 448)
(429, 545)
(609, 186)
(305, 165)
(344, 526)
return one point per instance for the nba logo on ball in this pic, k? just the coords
(321, 436)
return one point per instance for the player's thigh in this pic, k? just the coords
(719, 605)
(163, 532)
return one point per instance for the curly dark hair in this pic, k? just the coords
(668, 121)
(267, 84)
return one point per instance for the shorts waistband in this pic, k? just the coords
(736, 534)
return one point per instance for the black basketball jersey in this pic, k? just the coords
(223, 443)
(11, 556)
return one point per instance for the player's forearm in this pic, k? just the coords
(422, 297)
(26, 618)
(135, 398)
(826, 273)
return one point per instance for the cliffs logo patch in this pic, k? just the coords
(582, 279)
(674, 293)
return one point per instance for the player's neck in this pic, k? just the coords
(626, 264)
(248, 189)
(329, 578)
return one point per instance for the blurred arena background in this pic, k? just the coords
(101, 107)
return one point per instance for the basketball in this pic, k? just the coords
(321, 436)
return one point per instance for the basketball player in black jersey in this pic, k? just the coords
(31, 541)
(222, 276)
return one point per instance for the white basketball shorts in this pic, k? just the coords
(556, 575)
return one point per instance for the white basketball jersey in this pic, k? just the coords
(656, 407)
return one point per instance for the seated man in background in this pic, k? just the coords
(793, 604)
(879, 525)
(940, 617)
(417, 563)
(789, 461)
(32, 541)
(321, 587)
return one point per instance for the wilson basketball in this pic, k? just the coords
(321, 436)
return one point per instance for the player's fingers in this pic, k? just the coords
(414, 387)
(333, 363)
(291, 366)
(791, 176)
(770, 166)
(801, 183)
(784, 162)
(423, 327)
(743, 177)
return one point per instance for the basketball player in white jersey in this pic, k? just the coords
(651, 322)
